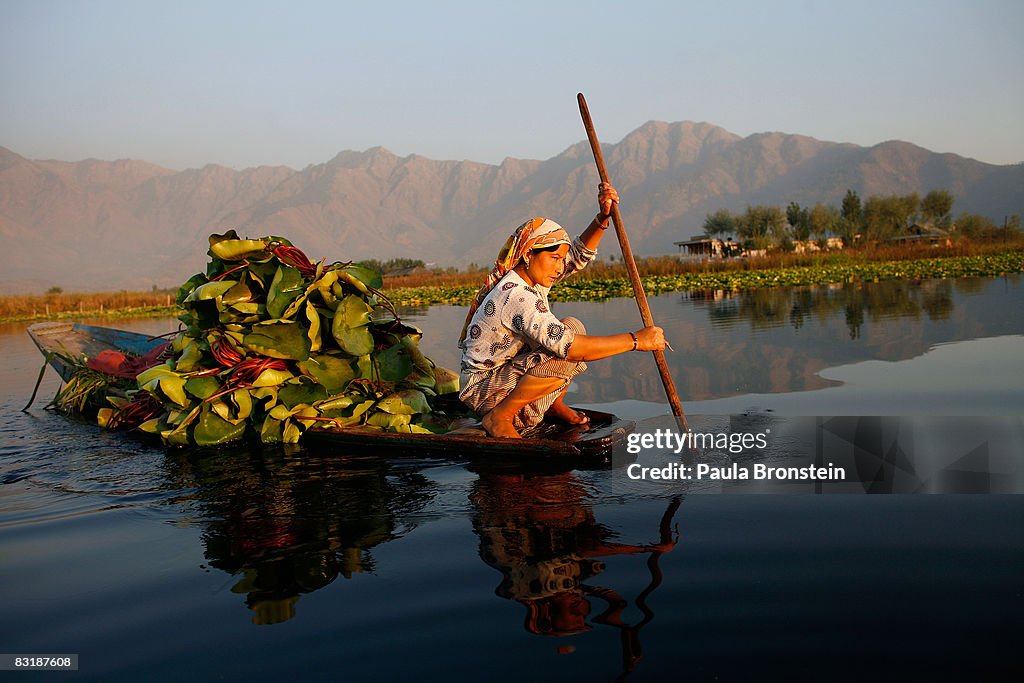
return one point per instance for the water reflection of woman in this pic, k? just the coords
(540, 532)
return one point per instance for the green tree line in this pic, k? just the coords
(877, 218)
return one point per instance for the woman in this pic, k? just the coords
(517, 357)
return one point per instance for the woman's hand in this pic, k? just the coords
(606, 198)
(650, 339)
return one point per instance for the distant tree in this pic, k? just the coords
(975, 227)
(851, 209)
(761, 226)
(851, 217)
(54, 291)
(720, 223)
(1013, 223)
(911, 208)
(394, 265)
(937, 208)
(799, 222)
(887, 217)
(823, 219)
(397, 264)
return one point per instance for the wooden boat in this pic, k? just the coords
(63, 342)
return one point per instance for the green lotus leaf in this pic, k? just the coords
(103, 416)
(388, 420)
(355, 311)
(236, 250)
(271, 378)
(243, 402)
(323, 285)
(425, 382)
(266, 394)
(285, 288)
(422, 363)
(333, 404)
(360, 408)
(445, 381)
(291, 432)
(238, 294)
(202, 387)
(223, 411)
(271, 431)
(189, 286)
(150, 426)
(281, 412)
(213, 430)
(394, 363)
(315, 339)
(262, 272)
(190, 357)
(350, 326)
(368, 277)
(331, 371)
(278, 339)
(155, 372)
(246, 308)
(413, 429)
(301, 392)
(175, 437)
(364, 367)
(352, 280)
(211, 290)
(304, 416)
(404, 402)
(172, 387)
(340, 420)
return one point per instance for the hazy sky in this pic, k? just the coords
(183, 83)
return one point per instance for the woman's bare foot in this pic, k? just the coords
(496, 425)
(566, 414)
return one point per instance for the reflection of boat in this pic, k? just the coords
(65, 343)
(285, 526)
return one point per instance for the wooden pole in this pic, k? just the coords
(627, 258)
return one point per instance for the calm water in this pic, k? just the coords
(321, 565)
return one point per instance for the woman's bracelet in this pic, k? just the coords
(635, 341)
(601, 220)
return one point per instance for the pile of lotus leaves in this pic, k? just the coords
(273, 344)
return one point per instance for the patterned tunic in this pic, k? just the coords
(516, 319)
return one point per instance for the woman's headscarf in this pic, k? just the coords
(536, 233)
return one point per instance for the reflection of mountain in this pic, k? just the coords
(777, 340)
(288, 524)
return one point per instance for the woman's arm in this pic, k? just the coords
(586, 347)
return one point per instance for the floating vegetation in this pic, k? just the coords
(578, 289)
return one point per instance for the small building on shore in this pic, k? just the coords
(925, 233)
(702, 247)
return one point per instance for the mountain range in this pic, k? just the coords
(107, 225)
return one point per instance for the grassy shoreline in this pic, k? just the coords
(604, 281)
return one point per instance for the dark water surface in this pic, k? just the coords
(317, 564)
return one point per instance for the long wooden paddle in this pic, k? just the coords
(627, 258)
